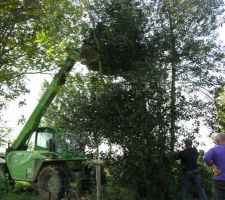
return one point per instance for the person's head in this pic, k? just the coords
(188, 143)
(220, 138)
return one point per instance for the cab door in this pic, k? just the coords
(22, 164)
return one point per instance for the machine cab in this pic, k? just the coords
(42, 139)
(54, 140)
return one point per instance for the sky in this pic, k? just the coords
(34, 84)
(14, 113)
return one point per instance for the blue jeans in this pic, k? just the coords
(192, 177)
(218, 190)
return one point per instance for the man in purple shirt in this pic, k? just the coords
(215, 158)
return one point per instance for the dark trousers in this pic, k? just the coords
(218, 190)
(192, 177)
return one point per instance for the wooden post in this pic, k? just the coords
(148, 189)
(98, 182)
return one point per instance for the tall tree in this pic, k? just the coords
(31, 33)
(156, 58)
(191, 54)
(131, 111)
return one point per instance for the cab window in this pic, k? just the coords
(31, 142)
(43, 139)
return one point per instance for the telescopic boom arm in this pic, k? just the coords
(34, 120)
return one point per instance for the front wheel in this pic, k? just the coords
(53, 182)
(6, 183)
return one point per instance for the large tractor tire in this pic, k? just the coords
(7, 184)
(53, 182)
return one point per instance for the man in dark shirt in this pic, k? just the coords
(189, 158)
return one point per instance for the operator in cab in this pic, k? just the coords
(190, 175)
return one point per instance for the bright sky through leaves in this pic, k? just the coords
(14, 113)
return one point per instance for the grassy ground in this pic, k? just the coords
(32, 196)
(19, 196)
(24, 191)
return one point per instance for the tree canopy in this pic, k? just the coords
(156, 64)
(34, 37)
(153, 66)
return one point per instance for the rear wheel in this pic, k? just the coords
(53, 182)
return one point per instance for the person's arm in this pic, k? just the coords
(209, 160)
(209, 157)
(178, 155)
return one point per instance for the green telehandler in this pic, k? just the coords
(43, 156)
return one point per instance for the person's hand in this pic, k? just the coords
(170, 156)
(216, 171)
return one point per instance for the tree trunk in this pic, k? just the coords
(100, 68)
(173, 109)
(98, 182)
(174, 59)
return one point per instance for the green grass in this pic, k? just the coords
(22, 191)
(20, 196)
